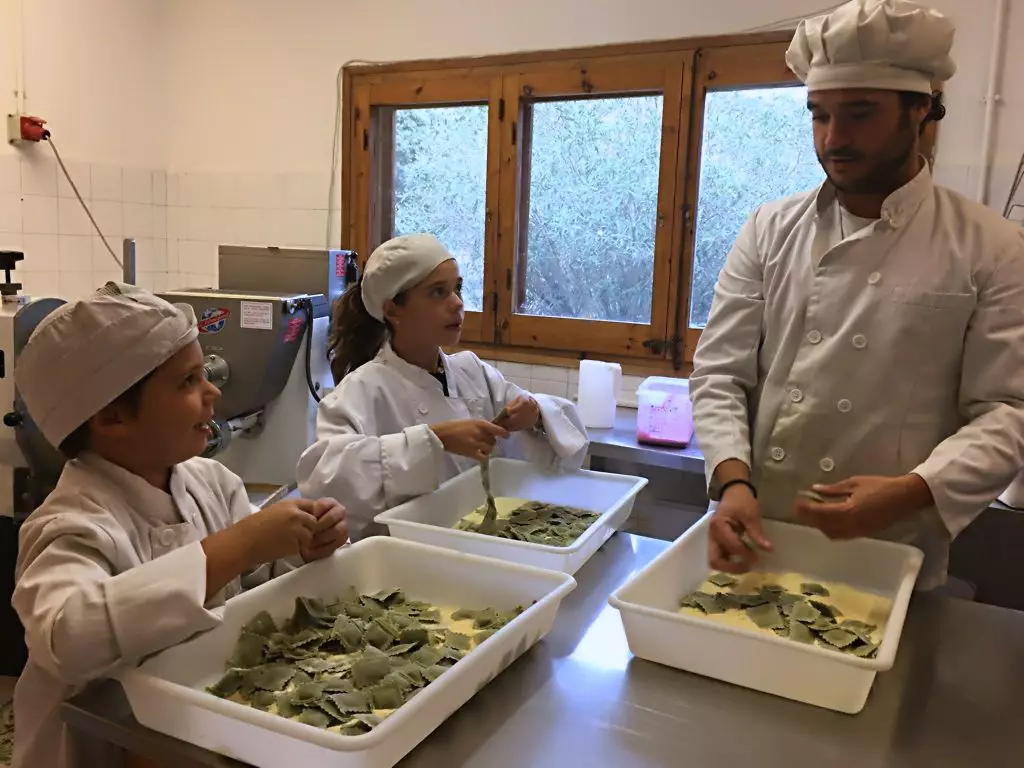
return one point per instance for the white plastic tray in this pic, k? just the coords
(656, 631)
(166, 692)
(429, 519)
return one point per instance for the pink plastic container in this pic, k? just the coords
(665, 414)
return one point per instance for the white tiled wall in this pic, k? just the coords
(64, 256)
(208, 210)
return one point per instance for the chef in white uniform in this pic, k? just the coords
(405, 416)
(866, 339)
(140, 541)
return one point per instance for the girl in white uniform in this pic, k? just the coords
(405, 416)
(140, 539)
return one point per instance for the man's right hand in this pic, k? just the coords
(474, 438)
(738, 512)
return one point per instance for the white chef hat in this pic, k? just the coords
(87, 353)
(893, 45)
(397, 265)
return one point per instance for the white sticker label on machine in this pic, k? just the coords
(258, 314)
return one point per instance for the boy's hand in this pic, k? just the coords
(331, 530)
(280, 530)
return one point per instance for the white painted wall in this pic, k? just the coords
(263, 71)
(97, 72)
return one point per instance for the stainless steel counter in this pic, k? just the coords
(620, 443)
(579, 699)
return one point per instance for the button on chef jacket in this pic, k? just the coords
(903, 337)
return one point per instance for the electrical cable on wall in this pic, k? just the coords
(74, 188)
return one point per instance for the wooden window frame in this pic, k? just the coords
(754, 66)
(662, 74)
(372, 159)
(505, 83)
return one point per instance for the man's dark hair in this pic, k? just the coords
(932, 102)
(78, 441)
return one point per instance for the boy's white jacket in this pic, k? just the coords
(110, 570)
(375, 448)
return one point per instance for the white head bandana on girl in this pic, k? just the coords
(398, 265)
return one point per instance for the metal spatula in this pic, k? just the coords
(490, 521)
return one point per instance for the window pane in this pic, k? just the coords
(592, 208)
(440, 184)
(757, 147)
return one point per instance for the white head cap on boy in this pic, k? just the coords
(398, 265)
(892, 45)
(87, 353)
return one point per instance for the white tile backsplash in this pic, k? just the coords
(11, 241)
(172, 255)
(137, 220)
(105, 275)
(159, 255)
(175, 222)
(250, 226)
(74, 253)
(81, 174)
(101, 256)
(109, 216)
(517, 372)
(543, 387)
(222, 191)
(41, 283)
(10, 212)
(193, 190)
(160, 222)
(71, 217)
(39, 215)
(42, 254)
(38, 174)
(10, 175)
(196, 257)
(137, 186)
(173, 189)
(74, 285)
(106, 183)
(549, 373)
(159, 187)
(304, 228)
(251, 190)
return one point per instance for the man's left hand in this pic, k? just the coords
(864, 506)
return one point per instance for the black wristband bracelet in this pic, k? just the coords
(737, 481)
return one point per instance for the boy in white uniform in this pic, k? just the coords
(141, 538)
